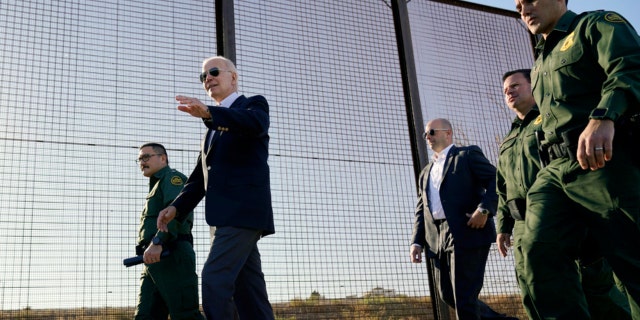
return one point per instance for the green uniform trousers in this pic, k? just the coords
(170, 287)
(604, 297)
(555, 231)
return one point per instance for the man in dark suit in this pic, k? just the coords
(454, 220)
(233, 174)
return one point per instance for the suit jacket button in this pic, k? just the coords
(208, 168)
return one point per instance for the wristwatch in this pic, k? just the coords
(602, 114)
(484, 211)
(156, 241)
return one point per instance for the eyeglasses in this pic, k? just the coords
(432, 132)
(214, 72)
(146, 157)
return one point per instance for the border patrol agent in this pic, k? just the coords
(518, 165)
(168, 286)
(585, 80)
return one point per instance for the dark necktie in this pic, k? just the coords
(212, 134)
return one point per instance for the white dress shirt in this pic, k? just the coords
(229, 100)
(435, 179)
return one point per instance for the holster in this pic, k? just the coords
(542, 149)
(517, 208)
(558, 150)
(570, 142)
(140, 249)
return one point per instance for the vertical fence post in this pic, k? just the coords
(225, 29)
(415, 122)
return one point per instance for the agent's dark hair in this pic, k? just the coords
(157, 148)
(525, 72)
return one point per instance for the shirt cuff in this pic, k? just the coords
(611, 106)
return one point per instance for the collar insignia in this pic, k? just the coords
(538, 120)
(569, 41)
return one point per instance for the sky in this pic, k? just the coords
(97, 84)
(627, 8)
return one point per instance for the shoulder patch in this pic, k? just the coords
(176, 181)
(569, 41)
(538, 120)
(613, 17)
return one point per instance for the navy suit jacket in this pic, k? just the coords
(233, 172)
(469, 182)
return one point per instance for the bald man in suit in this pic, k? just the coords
(454, 220)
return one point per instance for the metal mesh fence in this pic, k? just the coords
(83, 84)
(461, 54)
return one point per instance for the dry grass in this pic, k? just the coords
(316, 308)
(69, 314)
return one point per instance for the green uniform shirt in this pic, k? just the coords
(588, 61)
(518, 165)
(164, 187)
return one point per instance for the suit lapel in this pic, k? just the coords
(425, 178)
(447, 163)
(425, 191)
(240, 101)
(203, 144)
(207, 142)
(216, 133)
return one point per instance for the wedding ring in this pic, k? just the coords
(598, 148)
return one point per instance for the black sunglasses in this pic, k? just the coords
(214, 72)
(432, 132)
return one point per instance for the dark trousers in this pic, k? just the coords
(609, 203)
(604, 298)
(459, 275)
(232, 279)
(170, 287)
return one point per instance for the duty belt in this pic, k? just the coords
(185, 237)
(565, 148)
(181, 237)
(558, 151)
